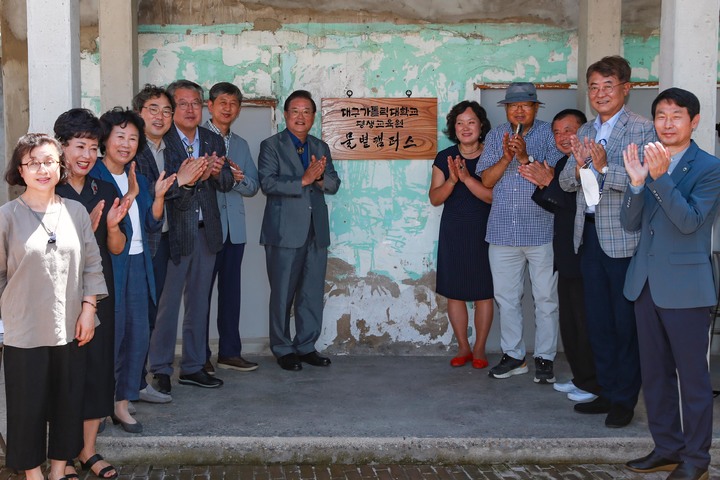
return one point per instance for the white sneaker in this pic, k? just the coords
(150, 395)
(565, 387)
(581, 396)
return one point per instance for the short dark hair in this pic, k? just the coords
(149, 92)
(681, 98)
(460, 108)
(609, 66)
(570, 112)
(299, 94)
(187, 84)
(224, 87)
(26, 144)
(77, 123)
(120, 116)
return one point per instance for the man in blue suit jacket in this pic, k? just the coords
(672, 201)
(224, 107)
(296, 171)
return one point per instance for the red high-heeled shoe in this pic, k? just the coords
(460, 361)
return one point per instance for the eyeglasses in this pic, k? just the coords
(185, 105)
(34, 166)
(296, 113)
(520, 106)
(606, 89)
(156, 110)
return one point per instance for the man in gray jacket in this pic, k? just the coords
(296, 171)
(224, 107)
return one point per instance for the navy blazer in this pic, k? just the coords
(145, 163)
(183, 204)
(562, 204)
(290, 207)
(675, 215)
(150, 224)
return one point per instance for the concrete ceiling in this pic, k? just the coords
(639, 16)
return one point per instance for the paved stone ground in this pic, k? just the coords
(380, 472)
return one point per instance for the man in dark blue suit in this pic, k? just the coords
(672, 201)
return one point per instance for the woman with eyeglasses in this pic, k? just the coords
(122, 136)
(50, 282)
(79, 132)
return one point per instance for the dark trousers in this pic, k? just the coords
(160, 262)
(297, 280)
(573, 330)
(228, 265)
(674, 346)
(610, 322)
(43, 385)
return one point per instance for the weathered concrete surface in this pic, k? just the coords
(638, 15)
(379, 409)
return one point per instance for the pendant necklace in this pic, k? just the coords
(52, 238)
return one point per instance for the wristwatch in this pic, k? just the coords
(604, 170)
(531, 159)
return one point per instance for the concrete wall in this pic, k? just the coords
(380, 285)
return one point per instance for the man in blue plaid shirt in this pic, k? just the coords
(520, 233)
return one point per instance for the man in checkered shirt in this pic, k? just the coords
(520, 233)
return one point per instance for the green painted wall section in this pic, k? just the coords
(382, 209)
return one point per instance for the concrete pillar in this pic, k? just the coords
(53, 46)
(598, 35)
(689, 57)
(117, 22)
(13, 29)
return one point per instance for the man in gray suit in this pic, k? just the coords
(224, 107)
(296, 171)
(605, 247)
(672, 202)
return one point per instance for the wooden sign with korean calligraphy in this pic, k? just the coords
(380, 128)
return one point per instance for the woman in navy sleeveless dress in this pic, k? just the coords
(463, 270)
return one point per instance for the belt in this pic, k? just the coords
(201, 224)
(590, 217)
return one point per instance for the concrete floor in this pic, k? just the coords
(376, 409)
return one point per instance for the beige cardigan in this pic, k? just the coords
(42, 284)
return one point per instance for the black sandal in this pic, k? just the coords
(70, 476)
(102, 473)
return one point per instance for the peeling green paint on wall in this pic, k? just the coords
(382, 209)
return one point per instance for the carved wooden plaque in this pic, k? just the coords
(380, 128)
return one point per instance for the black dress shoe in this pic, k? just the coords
(290, 362)
(652, 462)
(685, 471)
(162, 383)
(313, 358)
(200, 379)
(619, 416)
(599, 405)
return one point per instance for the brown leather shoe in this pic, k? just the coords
(652, 462)
(236, 363)
(685, 471)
